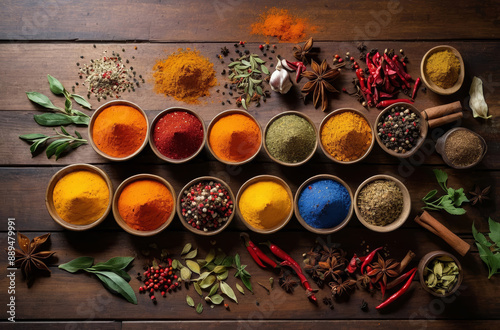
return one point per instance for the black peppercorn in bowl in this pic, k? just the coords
(400, 130)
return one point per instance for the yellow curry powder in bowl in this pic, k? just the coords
(81, 197)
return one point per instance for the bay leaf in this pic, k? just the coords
(207, 282)
(223, 276)
(240, 288)
(219, 269)
(193, 265)
(214, 289)
(186, 248)
(186, 274)
(228, 291)
(191, 254)
(210, 256)
(190, 301)
(198, 289)
(199, 308)
(216, 299)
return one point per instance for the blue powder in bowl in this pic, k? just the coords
(324, 204)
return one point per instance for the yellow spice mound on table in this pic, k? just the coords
(81, 197)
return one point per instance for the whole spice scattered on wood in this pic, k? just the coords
(319, 83)
(489, 250)
(112, 274)
(479, 195)
(62, 143)
(30, 258)
(305, 52)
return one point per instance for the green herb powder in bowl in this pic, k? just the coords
(290, 139)
(380, 202)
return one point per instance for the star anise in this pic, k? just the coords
(341, 288)
(382, 269)
(319, 83)
(303, 52)
(287, 283)
(312, 254)
(29, 257)
(331, 269)
(479, 195)
(364, 280)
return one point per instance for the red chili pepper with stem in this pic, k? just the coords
(386, 103)
(415, 88)
(258, 256)
(369, 259)
(351, 268)
(398, 294)
(400, 279)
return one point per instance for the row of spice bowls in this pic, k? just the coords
(234, 137)
(145, 204)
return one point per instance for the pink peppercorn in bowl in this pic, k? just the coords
(205, 205)
(177, 135)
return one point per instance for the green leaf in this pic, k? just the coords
(52, 148)
(430, 194)
(214, 289)
(240, 288)
(234, 64)
(258, 60)
(191, 254)
(207, 282)
(81, 101)
(259, 91)
(31, 137)
(210, 256)
(494, 231)
(219, 258)
(198, 289)
(186, 248)
(479, 237)
(53, 119)
(78, 135)
(228, 291)
(244, 103)
(193, 265)
(189, 301)
(77, 264)
(264, 69)
(123, 274)
(237, 260)
(42, 100)
(37, 143)
(199, 308)
(175, 264)
(216, 299)
(122, 287)
(245, 62)
(227, 262)
(117, 263)
(203, 276)
(186, 274)
(79, 120)
(247, 283)
(441, 178)
(68, 106)
(219, 269)
(64, 131)
(223, 276)
(55, 85)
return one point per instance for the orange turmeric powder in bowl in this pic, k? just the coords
(118, 130)
(144, 204)
(234, 137)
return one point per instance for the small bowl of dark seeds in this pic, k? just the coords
(461, 148)
(401, 130)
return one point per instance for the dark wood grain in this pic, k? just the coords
(47, 298)
(80, 325)
(24, 189)
(230, 20)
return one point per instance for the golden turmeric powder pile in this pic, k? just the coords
(185, 75)
(443, 68)
(346, 136)
(81, 197)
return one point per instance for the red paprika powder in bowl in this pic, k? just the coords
(118, 130)
(177, 135)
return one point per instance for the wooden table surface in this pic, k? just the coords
(49, 36)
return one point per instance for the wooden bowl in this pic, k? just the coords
(91, 128)
(424, 262)
(423, 131)
(441, 142)
(287, 113)
(227, 113)
(336, 112)
(118, 218)
(49, 201)
(322, 231)
(153, 145)
(399, 221)
(260, 178)
(179, 207)
(432, 86)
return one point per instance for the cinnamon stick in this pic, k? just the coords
(442, 110)
(406, 260)
(430, 223)
(445, 120)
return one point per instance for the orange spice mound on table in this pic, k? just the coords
(119, 130)
(185, 75)
(235, 138)
(279, 23)
(145, 204)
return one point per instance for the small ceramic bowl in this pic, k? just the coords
(441, 142)
(336, 112)
(179, 207)
(151, 133)
(260, 178)
(118, 218)
(288, 113)
(91, 128)
(432, 86)
(322, 231)
(49, 201)
(425, 261)
(227, 113)
(399, 221)
(423, 131)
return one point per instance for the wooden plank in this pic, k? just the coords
(18, 76)
(318, 324)
(24, 190)
(48, 298)
(60, 325)
(230, 20)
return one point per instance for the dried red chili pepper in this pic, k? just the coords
(415, 88)
(400, 279)
(369, 259)
(351, 268)
(398, 294)
(258, 256)
(386, 103)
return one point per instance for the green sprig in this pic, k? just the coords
(450, 202)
